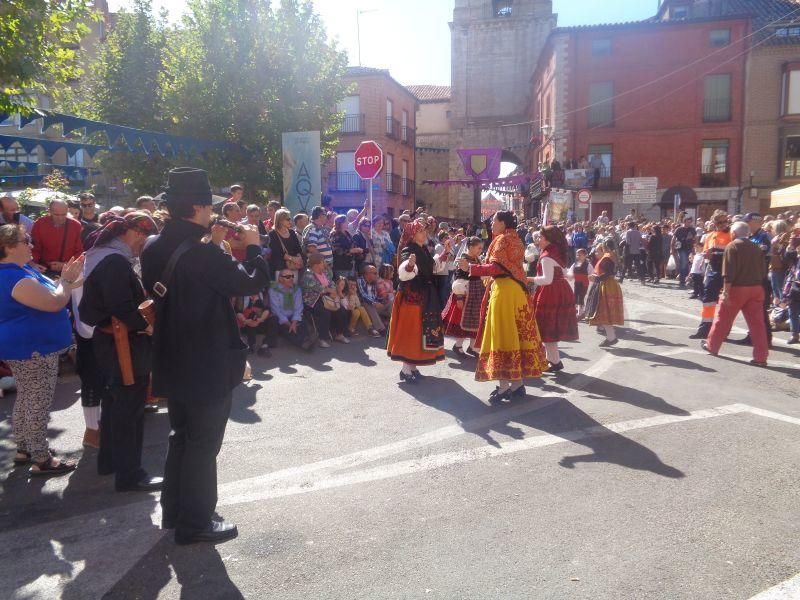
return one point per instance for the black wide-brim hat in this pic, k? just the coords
(187, 185)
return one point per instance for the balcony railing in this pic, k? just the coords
(791, 168)
(407, 187)
(393, 183)
(408, 136)
(345, 182)
(392, 128)
(716, 111)
(714, 176)
(352, 124)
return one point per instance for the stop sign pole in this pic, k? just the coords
(368, 164)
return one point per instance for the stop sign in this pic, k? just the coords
(368, 160)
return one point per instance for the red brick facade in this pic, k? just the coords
(393, 191)
(659, 120)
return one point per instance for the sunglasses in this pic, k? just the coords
(287, 276)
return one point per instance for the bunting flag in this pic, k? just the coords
(50, 147)
(119, 137)
(516, 180)
(481, 163)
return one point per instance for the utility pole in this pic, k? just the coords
(360, 12)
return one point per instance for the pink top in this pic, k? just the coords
(322, 279)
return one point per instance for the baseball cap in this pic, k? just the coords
(753, 216)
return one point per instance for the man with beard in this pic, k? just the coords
(198, 354)
(112, 293)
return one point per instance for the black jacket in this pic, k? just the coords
(113, 290)
(198, 355)
(425, 267)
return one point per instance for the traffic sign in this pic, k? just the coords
(368, 160)
(584, 196)
(640, 190)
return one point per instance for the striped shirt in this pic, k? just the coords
(319, 237)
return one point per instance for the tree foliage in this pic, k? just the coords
(245, 72)
(39, 40)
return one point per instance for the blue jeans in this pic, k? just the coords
(683, 266)
(776, 279)
(794, 317)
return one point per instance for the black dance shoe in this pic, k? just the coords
(216, 533)
(609, 343)
(407, 378)
(555, 368)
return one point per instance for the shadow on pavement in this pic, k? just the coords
(658, 360)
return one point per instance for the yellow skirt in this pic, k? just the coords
(511, 347)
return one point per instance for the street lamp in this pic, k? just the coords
(547, 130)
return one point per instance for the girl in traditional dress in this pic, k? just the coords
(510, 346)
(416, 336)
(604, 306)
(554, 302)
(461, 316)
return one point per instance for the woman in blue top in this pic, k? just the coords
(34, 330)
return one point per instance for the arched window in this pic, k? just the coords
(502, 8)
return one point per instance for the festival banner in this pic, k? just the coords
(302, 177)
(560, 204)
(577, 179)
(481, 163)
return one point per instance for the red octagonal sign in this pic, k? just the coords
(368, 160)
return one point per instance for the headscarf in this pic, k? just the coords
(411, 230)
(507, 252)
(116, 226)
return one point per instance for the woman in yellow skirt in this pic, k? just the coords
(511, 348)
(604, 307)
(416, 333)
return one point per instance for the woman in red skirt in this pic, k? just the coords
(554, 301)
(416, 336)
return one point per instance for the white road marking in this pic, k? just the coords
(264, 490)
(788, 590)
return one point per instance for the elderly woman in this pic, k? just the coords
(345, 252)
(34, 330)
(415, 332)
(284, 244)
(318, 290)
(510, 346)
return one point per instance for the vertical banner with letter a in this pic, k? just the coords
(302, 177)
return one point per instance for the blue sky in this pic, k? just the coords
(412, 38)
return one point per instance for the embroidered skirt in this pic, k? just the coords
(510, 344)
(406, 340)
(604, 304)
(555, 312)
(471, 316)
(451, 318)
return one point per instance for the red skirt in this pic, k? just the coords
(451, 318)
(555, 312)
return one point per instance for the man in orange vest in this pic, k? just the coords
(714, 250)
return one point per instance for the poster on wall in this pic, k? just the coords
(578, 178)
(560, 205)
(302, 178)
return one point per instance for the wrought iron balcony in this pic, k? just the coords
(791, 168)
(393, 183)
(352, 125)
(408, 135)
(407, 187)
(714, 176)
(392, 128)
(345, 182)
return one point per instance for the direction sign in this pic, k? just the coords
(584, 196)
(368, 160)
(640, 190)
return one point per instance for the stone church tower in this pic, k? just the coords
(495, 49)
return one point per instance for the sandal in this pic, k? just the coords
(48, 468)
(26, 457)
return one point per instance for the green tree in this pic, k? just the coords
(244, 72)
(39, 43)
(124, 87)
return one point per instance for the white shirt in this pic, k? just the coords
(549, 266)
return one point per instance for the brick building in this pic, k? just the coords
(661, 98)
(433, 139)
(700, 96)
(380, 109)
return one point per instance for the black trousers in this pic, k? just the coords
(189, 497)
(121, 432)
(633, 260)
(92, 385)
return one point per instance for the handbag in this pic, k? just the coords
(293, 263)
(331, 304)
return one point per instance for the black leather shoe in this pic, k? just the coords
(407, 378)
(216, 533)
(147, 484)
(743, 342)
(555, 368)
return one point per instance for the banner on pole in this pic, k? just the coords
(302, 176)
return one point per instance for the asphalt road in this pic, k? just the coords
(649, 470)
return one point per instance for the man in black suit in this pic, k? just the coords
(198, 354)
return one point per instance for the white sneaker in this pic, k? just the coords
(342, 339)
(324, 344)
